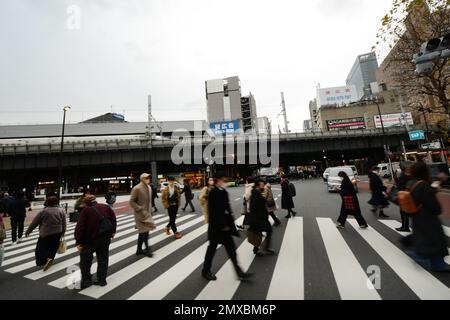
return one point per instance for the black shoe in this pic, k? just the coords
(244, 275)
(148, 253)
(209, 276)
(277, 223)
(382, 215)
(101, 283)
(364, 226)
(85, 284)
(183, 209)
(140, 252)
(403, 229)
(294, 213)
(270, 251)
(288, 217)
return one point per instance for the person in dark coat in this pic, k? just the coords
(378, 200)
(287, 202)
(5, 204)
(90, 239)
(52, 226)
(221, 229)
(402, 181)
(154, 196)
(18, 212)
(188, 195)
(350, 203)
(258, 217)
(111, 197)
(427, 245)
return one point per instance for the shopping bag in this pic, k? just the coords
(62, 246)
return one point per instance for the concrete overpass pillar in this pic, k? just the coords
(154, 173)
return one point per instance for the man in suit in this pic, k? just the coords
(221, 229)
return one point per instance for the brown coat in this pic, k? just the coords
(165, 197)
(141, 202)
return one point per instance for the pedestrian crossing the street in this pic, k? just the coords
(177, 264)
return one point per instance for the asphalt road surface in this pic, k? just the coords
(314, 260)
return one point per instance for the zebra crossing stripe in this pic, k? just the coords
(74, 260)
(227, 283)
(392, 224)
(351, 280)
(123, 254)
(169, 280)
(288, 276)
(424, 285)
(446, 230)
(35, 234)
(133, 269)
(68, 251)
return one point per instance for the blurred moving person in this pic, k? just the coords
(221, 229)
(287, 195)
(52, 226)
(141, 202)
(246, 201)
(259, 216)
(154, 196)
(111, 197)
(170, 199)
(18, 212)
(188, 195)
(350, 203)
(428, 243)
(203, 198)
(271, 204)
(403, 179)
(378, 200)
(93, 233)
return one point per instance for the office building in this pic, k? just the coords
(363, 74)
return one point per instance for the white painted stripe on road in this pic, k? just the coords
(32, 264)
(62, 282)
(288, 276)
(169, 280)
(75, 260)
(227, 283)
(35, 235)
(237, 199)
(134, 269)
(424, 285)
(392, 224)
(351, 280)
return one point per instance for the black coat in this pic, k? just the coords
(187, 191)
(348, 190)
(258, 218)
(376, 186)
(402, 181)
(18, 208)
(428, 237)
(220, 215)
(286, 200)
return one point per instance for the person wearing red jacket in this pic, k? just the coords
(93, 233)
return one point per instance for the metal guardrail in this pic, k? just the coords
(97, 144)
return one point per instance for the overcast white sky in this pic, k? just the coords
(125, 50)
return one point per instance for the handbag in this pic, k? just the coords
(254, 238)
(62, 246)
(393, 195)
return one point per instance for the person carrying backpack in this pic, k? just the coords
(288, 192)
(93, 233)
(428, 244)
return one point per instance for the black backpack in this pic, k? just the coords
(106, 227)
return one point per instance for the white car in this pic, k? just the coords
(334, 181)
(326, 174)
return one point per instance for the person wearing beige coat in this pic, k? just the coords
(141, 202)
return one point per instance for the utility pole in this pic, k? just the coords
(153, 164)
(283, 111)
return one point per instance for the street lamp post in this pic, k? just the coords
(424, 110)
(65, 109)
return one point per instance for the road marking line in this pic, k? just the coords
(351, 280)
(424, 285)
(287, 281)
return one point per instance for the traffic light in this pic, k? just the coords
(437, 48)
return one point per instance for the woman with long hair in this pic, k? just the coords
(350, 203)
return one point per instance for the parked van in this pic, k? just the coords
(385, 172)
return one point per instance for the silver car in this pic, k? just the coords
(334, 181)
